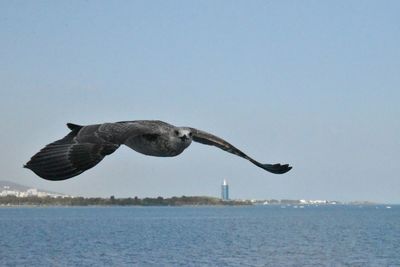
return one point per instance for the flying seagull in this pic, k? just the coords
(85, 146)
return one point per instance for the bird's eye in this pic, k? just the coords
(176, 132)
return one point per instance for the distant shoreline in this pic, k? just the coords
(195, 201)
(112, 201)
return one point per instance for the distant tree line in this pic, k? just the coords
(112, 201)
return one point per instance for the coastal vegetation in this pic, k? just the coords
(113, 201)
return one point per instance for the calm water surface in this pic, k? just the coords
(200, 236)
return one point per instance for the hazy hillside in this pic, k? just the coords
(11, 186)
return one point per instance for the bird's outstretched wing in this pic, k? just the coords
(212, 140)
(68, 156)
(84, 147)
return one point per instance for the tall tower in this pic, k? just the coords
(225, 190)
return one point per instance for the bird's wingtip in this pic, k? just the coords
(277, 168)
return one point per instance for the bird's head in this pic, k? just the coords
(183, 134)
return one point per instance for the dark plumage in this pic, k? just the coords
(86, 146)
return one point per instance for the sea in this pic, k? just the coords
(328, 235)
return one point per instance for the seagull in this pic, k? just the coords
(85, 146)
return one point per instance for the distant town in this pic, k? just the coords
(21, 191)
(6, 191)
(12, 194)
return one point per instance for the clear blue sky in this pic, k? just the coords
(310, 83)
